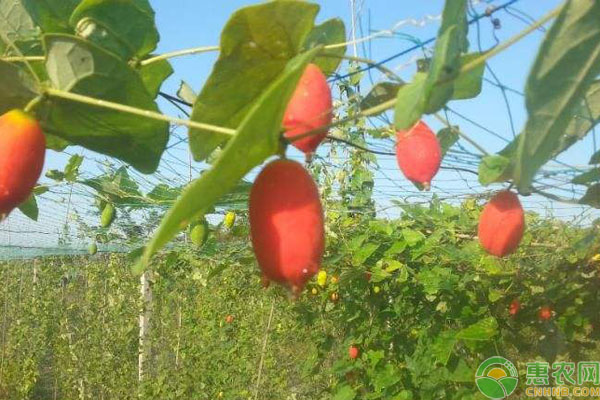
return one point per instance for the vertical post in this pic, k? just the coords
(353, 20)
(145, 314)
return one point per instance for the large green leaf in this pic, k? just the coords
(588, 177)
(592, 196)
(15, 23)
(379, 94)
(567, 63)
(468, 85)
(51, 15)
(120, 26)
(585, 117)
(485, 329)
(430, 91)
(446, 62)
(329, 32)
(81, 67)
(256, 44)
(153, 75)
(494, 168)
(411, 102)
(447, 137)
(258, 137)
(17, 87)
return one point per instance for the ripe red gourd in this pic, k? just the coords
(501, 224)
(545, 313)
(286, 224)
(22, 152)
(515, 307)
(309, 108)
(419, 154)
(353, 352)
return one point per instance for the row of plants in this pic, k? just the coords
(403, 309)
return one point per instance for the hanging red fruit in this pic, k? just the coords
(286, 224)
(515, 307)
(22, 152)
(419, 154)
(545, 313)
(309, 108)
(353, 352)
(501, 224)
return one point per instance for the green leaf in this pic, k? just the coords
(329, 32)
(595, 159)
(17, 87)
(447, 138)
(163, 194)
(379, 94)
(494, 168)
(468, 85)
(51, 15)
(410, 103)
(257, 139)
(571, 49)
(485, 329)
(118, 188)
(412, 237)
(443, 346)
(256, 44)
(154, 74)
(345, 393)
(592, 196)
(586, 115)
(588, 177)
(446, 61)
(80, 67)
(15, 22)
(120, 26)
(186, 93)
(72, 169)
(30, 208)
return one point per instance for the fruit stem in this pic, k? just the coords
(33, 103)
(179, 53)
(137, 111)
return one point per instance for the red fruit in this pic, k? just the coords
(501, 224)
(286, 224)
(515, 307)
(309, 108)
(545, 313)
(368, 276)
(353, 352)
(229, 319)
(419, 154)
(22, 152)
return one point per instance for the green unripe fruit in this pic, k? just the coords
(93, 248)
(108, 215)
(199, 233)
(229, 219)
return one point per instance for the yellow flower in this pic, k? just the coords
(322, 278)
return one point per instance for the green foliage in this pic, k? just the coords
(253, 56)
(257, 139)
(329, 32)
(80, 67)
(442, 308)
(571, 49)
(123, 27)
